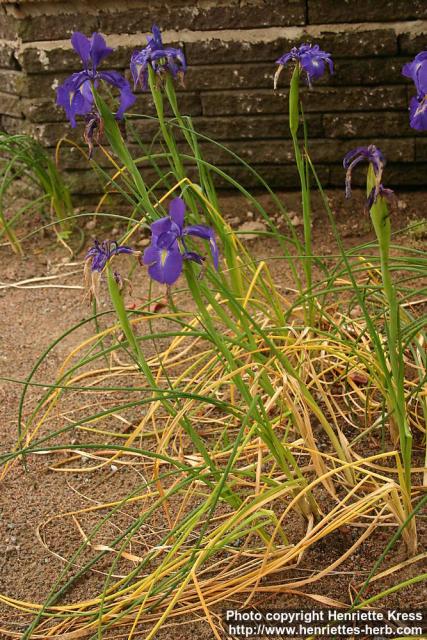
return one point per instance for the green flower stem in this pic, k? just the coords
(116, 141)
(381, 222)
(191, 138)
(168, 138)
(294, 120)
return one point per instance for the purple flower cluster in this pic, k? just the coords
(161, 59)
(166, 254)
(75, 94)
(417, 72)
(311, 59)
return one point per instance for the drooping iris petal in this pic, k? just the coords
(127, 98)
(206, 233)
(121, 249)
(376, 159)
(73, 96)
(370, 154)
(214, 251)
(418, 113)
(194, 257)
(381, 191)
(164, 265)
(200, 231)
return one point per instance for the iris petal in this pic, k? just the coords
(98, 49)
(177, 211)
(163, 225)
(164, 266)
(198, 230)
(127, 98)
(81, 45)
(416, 70)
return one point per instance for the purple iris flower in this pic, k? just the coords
(162, 60)
(75, 94)
(373, 156)
(166, 254)
(101, 252)
(311, 58)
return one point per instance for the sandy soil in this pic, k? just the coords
(31, 318)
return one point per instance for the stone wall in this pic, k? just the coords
(231, 48)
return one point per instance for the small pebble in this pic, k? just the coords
(296, 221)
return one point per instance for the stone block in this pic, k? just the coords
(58, 26)
(12, 82)
(367, 71)
(421, 148)
(7, 57)
(375, 124)
(277, 176)
(11, 105)
(12, 124)
(411, 44)
(319, 99)
(331, 11)
(205, 16)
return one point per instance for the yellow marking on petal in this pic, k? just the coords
(72, 94)
(163, 256)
